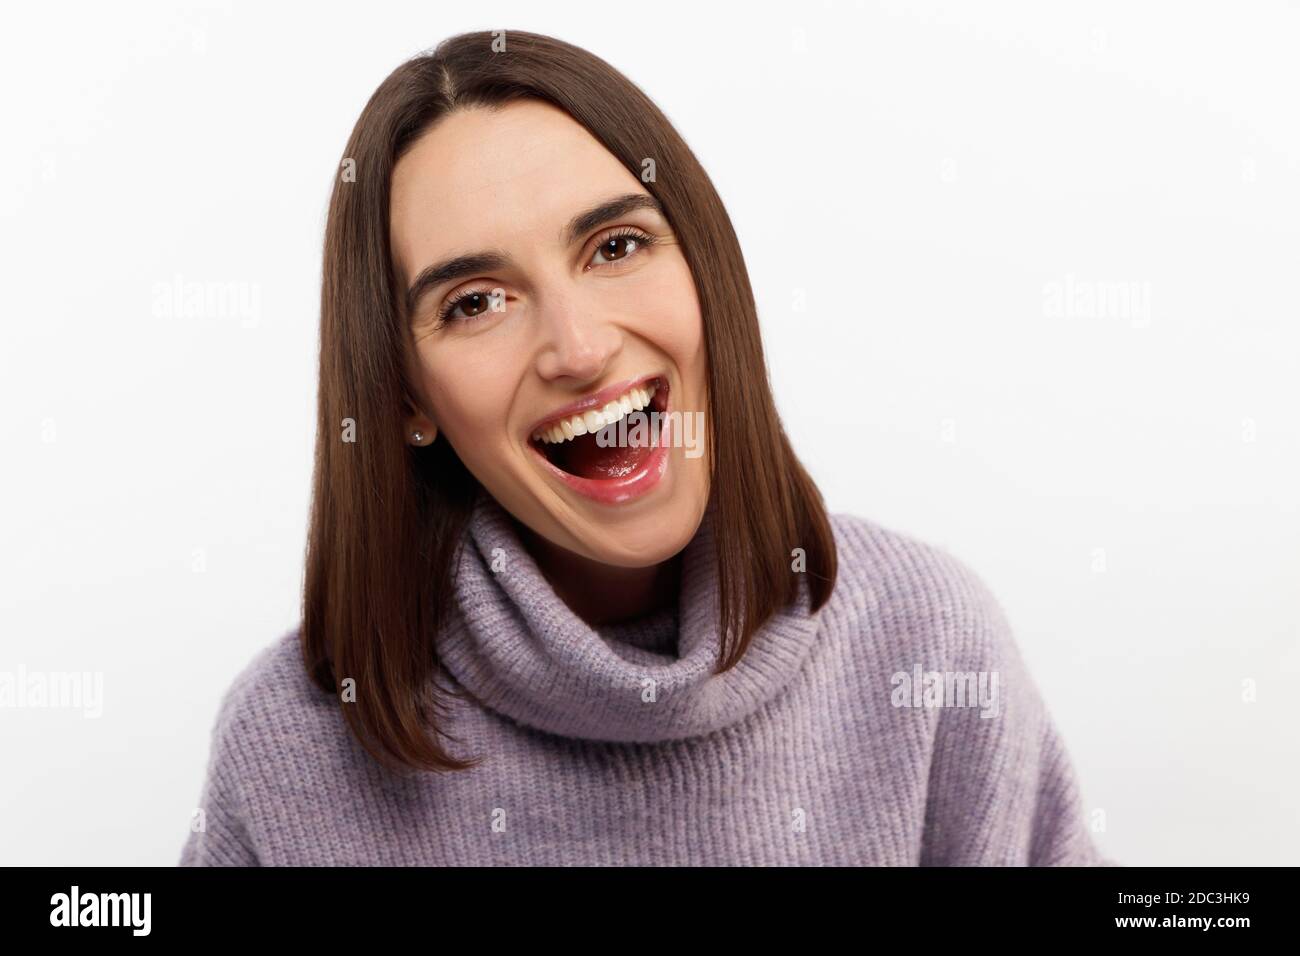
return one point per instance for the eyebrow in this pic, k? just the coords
(458, 267)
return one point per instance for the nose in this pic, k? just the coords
(578, 343)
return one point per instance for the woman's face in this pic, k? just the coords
(554, 316)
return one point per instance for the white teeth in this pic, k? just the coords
(592, 421)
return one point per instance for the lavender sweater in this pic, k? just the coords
(898, 726)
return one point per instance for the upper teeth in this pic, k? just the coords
(595, 419)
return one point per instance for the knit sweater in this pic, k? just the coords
(842, 737)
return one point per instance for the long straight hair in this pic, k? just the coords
(387, 518)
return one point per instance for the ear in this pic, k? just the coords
(420, 429)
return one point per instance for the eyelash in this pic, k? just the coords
(630, 232)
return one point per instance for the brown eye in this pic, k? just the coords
(470, 305)
(619, 247)
(474, 303)
(616, 247)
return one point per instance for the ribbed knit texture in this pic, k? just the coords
(618, 745)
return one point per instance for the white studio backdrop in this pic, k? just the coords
(1027, 276)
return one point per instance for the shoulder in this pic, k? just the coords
(915, 596)
(271, 699)
(272, 729)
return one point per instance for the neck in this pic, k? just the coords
(520, 645)
(603, 593)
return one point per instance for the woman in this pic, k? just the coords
(533, 634)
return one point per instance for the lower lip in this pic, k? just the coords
(617, 491)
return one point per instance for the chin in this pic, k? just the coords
(651, 537)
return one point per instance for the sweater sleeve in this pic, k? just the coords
(219, 831)
(222, 841)
(1001, 788)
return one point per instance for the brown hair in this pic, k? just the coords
(387, 518)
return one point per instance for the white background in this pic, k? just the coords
(912, 186)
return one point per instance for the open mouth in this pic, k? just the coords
(610, 443)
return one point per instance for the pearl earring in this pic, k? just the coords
(417, 437)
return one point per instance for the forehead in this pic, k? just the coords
(493, 178)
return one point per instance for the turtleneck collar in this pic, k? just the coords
(521, 651)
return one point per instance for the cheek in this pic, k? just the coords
(673, 322)
(470, 403)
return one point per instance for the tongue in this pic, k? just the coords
(584, 457)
